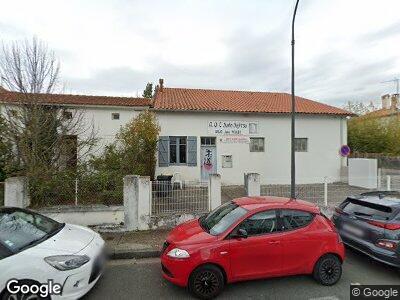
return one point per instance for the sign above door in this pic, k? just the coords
(232, 127)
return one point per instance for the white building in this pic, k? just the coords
(226, 132)
(237, 132)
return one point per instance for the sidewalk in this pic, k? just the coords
(135, 244)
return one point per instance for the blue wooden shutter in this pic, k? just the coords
(192, 150)
(163, 149)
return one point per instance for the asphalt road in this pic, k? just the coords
(141, 279)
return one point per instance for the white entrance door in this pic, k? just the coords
(208, 161)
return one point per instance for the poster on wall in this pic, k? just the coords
(235, 140)
(232, 127)
(208, 161)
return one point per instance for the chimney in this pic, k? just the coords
(386, 101)
(161, 83)
(395, 101)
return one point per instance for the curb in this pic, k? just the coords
(129, 254)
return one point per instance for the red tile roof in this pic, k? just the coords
(238, 101)
(382, 113)
(66, 99)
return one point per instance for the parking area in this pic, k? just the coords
(141, 279)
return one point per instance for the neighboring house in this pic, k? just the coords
(225, 132)
(235, 132)
(390, 108)
(104, 114)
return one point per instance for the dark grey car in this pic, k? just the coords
(370, 223)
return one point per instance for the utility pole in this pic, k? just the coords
(396, 80)
(293, 114)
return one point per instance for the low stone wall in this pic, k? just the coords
(170, 221)
(86, 215)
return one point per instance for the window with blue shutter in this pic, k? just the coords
(192, 151)
(177, 150)
(163, 148)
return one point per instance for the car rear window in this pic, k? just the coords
(366, 209)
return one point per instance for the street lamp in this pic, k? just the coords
(293, 113)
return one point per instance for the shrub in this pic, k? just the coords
(374, 135)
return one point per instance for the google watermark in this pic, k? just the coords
(373, 292)
(44, 290)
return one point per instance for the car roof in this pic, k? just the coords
(269, 202)
(385, 198)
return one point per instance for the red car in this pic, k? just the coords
(250, 238)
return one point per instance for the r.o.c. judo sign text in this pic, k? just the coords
(232, 127)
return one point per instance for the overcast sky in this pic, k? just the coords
(344, 48)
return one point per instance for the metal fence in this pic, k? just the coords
(319, 193)
(330, 194)
(82, 191)
(1, 193)
(188, 197)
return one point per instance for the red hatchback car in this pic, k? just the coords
(250, 238)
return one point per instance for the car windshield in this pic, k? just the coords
(220, 219)
(20, 229)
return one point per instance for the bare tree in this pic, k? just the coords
(360, 108)
(39, 130)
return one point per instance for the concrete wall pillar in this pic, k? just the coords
(137, 199)
(131, 202)
(252, 184)
(214, 191)
(16, 192)
(144, 203)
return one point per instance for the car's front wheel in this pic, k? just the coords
(328, 270)
(206, 282)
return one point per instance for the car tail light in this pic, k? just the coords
(390, 245)
(389, 226)
(377, 223)
(392, 226)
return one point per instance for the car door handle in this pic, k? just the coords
(274, 242)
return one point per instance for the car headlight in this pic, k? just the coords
(178, 253)
(67, 262)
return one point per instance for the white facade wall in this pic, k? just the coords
(105, 128)
(325, 136)
(98, 119)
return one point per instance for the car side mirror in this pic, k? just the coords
(241, 233)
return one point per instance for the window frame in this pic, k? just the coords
(223, 161)
(232, 234)
(255, 124)
(212, 139)
(257, 138)
(298, 139)
(281, 224)
(67, 115)
(114, 115)
(178, 145)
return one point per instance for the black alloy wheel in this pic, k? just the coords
(328, 270)
(206, 282)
